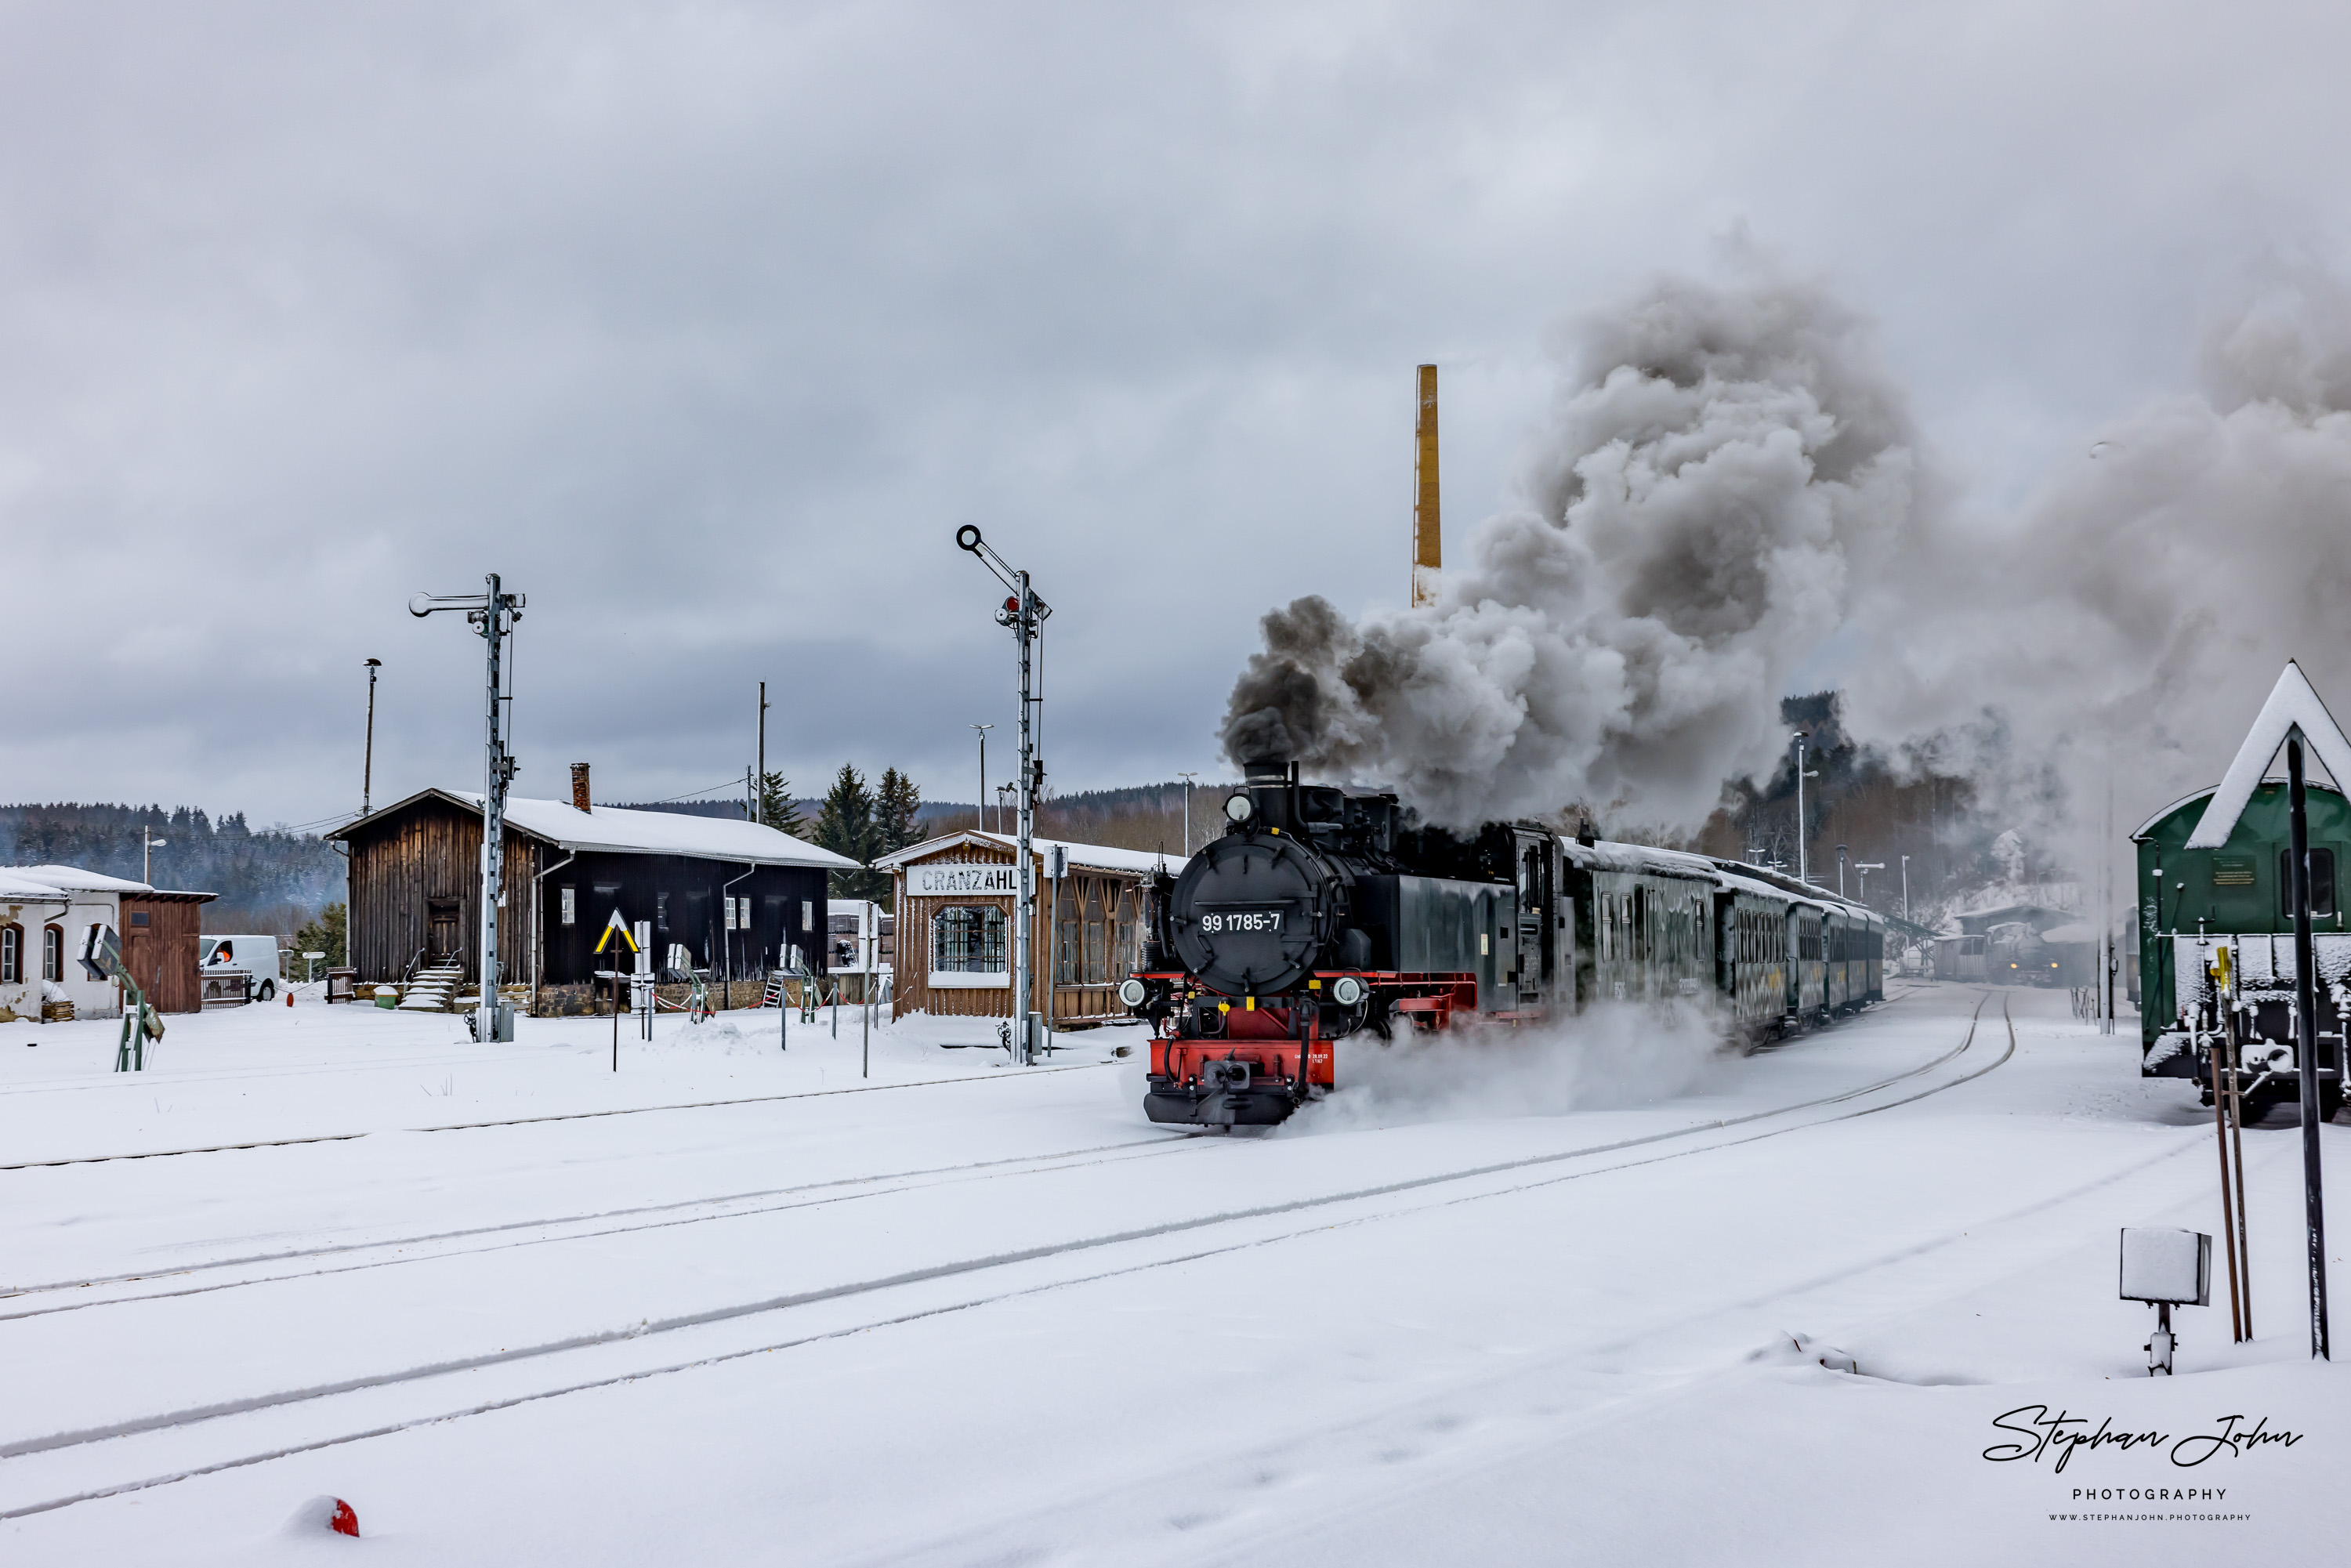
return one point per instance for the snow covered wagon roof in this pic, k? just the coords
(2292, 706)
(1092, 857)
(613, 830)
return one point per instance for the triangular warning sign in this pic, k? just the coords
(2292, 706)
(619, 924)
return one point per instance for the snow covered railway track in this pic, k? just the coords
(157, 1444)
(190, 1279)
(535, 1120)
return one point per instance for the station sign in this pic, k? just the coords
(945, 881)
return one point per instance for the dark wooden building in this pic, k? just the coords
(736, 896)
(161, 934)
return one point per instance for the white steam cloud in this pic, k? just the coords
(1611, 1055)
(1731, 480)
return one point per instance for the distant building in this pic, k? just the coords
(737, 897)
(45, 912)
(954, 900)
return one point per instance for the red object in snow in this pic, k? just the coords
(345, 1521)
(289, 998)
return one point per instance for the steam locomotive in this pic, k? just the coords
(1322, 912)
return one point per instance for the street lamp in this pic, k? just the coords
(1905, 887)
(1187, 778)
(1840, 870)
(1865, 867)
(147, 856)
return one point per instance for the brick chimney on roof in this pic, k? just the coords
(579, 786)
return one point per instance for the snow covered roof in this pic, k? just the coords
(57, 880)
(1093, 857)
(615, 830)
(2292, 706)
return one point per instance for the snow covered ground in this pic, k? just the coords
(737, 1304)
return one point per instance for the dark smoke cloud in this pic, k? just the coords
(1723, 464)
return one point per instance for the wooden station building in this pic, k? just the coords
(738, 897)
(953, 900)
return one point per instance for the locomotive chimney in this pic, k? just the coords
(579, 786)
(1428, 543)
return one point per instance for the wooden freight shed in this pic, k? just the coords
(161, 934)
(954, 898)
(737, 897)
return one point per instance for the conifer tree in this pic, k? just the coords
(777, 809)
(897, 804)
(846, 826)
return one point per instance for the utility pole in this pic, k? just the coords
(367, 768)
(979, 811)
(1840, 870)
(492, 615)
(1187, 778)
(763, 738)
(1905, 887)
(1025, 613)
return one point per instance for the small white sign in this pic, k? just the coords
(945, 881)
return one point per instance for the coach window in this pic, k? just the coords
(53, 952)
(967, 940)
(2322, 881)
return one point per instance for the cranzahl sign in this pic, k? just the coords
(932, 881)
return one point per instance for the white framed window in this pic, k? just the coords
(808, 915)
(967, 943)
(570, 901)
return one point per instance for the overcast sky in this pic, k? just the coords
(706, 325)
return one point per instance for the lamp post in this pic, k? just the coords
(367, 767)
(1840, 870)
(1905, 887)
(147, 856)
(1865, 868)
(980, 810)
(1187, 778)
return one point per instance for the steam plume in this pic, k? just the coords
(1731, 479)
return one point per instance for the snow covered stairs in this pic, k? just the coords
(431, 991)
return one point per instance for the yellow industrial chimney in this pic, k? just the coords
(1427, 535)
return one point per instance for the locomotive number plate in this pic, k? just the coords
(1241, 920)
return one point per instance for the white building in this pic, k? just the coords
(45, 911)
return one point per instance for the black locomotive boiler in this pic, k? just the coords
(1322, 912)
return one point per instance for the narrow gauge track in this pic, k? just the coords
(63, 1442)
(531, 1121)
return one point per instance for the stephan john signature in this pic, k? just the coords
(2070, 1434)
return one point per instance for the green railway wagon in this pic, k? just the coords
(2192, 904)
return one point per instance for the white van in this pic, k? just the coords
(220, 957)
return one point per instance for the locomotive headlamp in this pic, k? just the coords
(1132, 991)
(1346, 990)
(1238, 807)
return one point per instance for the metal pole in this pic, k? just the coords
(1802, 873)
(497, 771)
(2306, 1050)
(1024, 631)
(763, 742)
(367, 768)
(1840, 870)
(979, 811)
(1905, 887)
(2237, 1140)
(1187, 778)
